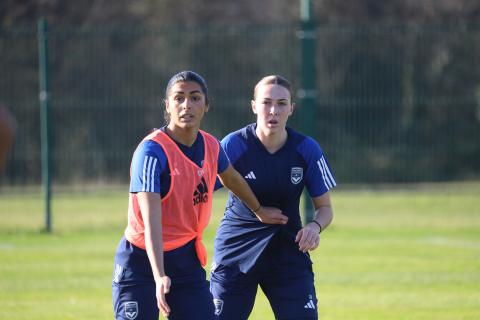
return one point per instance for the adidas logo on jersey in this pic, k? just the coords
(250, 176)
(200, 194)
(309, 305)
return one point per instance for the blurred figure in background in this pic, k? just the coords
(8, 128)
(159, 261)
(278, 163)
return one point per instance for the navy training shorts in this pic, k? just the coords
(283, 272)
(133, 286)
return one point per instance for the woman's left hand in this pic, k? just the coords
(308, 237)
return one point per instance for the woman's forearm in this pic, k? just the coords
(152, 217)
(323, 210)
(324, 216)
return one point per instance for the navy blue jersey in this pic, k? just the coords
(150, 171)
(277, 180)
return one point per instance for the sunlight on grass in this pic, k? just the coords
(391, 254)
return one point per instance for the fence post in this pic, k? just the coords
(307, 94)
(42, 37)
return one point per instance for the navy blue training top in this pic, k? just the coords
(150, 171)
(277, 180)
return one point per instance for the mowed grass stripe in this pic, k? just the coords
(392, 254)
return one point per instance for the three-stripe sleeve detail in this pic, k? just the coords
(327, 176)
(148, 178)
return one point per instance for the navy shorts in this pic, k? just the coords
(133, 286)
(283, 272)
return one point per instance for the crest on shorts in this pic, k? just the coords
(131, 309)
(296, 175)
(218, 306)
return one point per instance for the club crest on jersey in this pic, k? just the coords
(296, 175)
(131, 309)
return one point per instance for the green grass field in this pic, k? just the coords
(390, 254)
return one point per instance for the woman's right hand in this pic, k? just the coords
(271, 215)
(163, 287)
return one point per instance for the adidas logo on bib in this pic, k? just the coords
(201, 193)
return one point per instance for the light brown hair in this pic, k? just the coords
(274, 79)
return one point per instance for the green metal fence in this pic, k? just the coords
(394, 103)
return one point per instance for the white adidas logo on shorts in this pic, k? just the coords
(309, 305)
